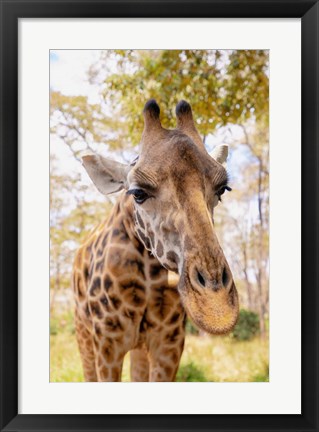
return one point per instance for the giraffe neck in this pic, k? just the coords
(125, 301)
(128, 220)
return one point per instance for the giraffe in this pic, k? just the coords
(162, 222)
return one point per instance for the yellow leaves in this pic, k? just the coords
(234, 82)
(62, 102)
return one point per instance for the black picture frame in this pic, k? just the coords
(11, 11)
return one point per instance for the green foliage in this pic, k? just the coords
(223, 87)
(190, 373)
(54, 329)
(262, 376)
(62, 323)
(247, 325)
(190, 328)
(214, 359)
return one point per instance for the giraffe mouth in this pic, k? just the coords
(215, 312)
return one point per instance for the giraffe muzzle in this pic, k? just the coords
(210, 301)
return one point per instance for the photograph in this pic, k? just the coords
(159, 208)
(159, 215)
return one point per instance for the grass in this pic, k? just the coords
(205, 358)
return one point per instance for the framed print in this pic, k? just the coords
(159, 215)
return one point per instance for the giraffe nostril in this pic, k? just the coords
(225, 277)
(201, 279)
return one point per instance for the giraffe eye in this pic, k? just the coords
(139, 195)
(222, 190)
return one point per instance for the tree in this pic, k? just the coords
(244, 221)
(223, 87)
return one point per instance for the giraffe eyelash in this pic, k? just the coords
(139, 195)
(222, 190)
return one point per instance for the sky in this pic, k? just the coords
(68, 72)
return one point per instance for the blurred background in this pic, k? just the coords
(96, 103)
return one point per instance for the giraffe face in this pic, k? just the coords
(173, 213)
(175, 186)
(174, 200)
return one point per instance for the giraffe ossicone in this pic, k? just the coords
(126, 298)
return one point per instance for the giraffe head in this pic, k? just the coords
(175, 186)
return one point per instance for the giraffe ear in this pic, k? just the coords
(220, 153)
(108, 175)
